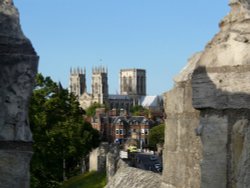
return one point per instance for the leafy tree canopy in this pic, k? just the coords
(61, 137)
(139, 110)
(90, 111)
(156, 135)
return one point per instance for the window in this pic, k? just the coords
(124, 84)
(146, 131)
(117, 131)
(121, 131)
(96, 88)
(130, 84)
(143, 131)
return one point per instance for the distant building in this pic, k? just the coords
(117, 125)
(153, 103)
(119, 128)
(100, 85)
(132, 89)
(77, 81)
(133, 83)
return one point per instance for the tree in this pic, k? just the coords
(61, 137)
(156, 135)
(90, 111)
(139, 110)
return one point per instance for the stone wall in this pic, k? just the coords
(182, 148)
(218, 80)
(113, 157)
(129, 177)
(18, 66)
(97, 158)
(221, 92)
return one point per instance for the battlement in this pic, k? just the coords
(99, 70)
(77, 71)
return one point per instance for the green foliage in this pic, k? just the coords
(156, 135)
(88, 180)
(61, 137)
(139, 110)
(90, 111)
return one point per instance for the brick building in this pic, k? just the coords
(120, 128)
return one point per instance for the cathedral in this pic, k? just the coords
(132, 89)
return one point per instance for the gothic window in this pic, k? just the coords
(96, 88)
(124, 83)
(130, 84)
(142, 84)
(138, 84)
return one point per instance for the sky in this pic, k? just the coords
(156, 35)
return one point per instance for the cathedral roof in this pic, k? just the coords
(132, 119)
(119, 97)
(150, 101)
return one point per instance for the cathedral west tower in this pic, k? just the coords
(77, 81)
(100, 85)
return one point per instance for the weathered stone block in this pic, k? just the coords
(14, 169)
(171, 136)
(221, 87)
(134, 178)
(182, 148)
(18, 67)
(214, 138)
(240, 169)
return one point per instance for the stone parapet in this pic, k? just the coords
(220, 87)
(18, 67)
(182, 148)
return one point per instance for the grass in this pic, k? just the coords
(87, 180)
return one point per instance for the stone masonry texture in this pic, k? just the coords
(207, 134)
(182, 148)
(129, 177)
(221, 92)
(18, 66)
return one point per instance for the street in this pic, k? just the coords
(147, 161)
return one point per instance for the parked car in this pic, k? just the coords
(132, 149)
(153, 158)
(158, 167)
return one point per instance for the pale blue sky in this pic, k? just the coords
(156, 35)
